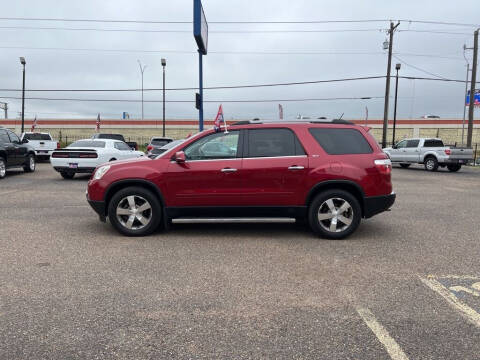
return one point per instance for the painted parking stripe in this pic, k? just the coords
(467, 311)
(393, 349)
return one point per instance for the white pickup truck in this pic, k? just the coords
(42, 143)
(430, 152)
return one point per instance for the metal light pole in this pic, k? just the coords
(142, 69)
(397, 67)
(164, 63)
(466, 92)
(4, 106)
(23, 62)
(472, 88)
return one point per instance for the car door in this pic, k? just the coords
(275, 167)
(6, 143)
(412, 151)
(398, 152)
(210, 175)
(123, 150)
(20, 151)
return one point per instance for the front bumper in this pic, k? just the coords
(374, 205)
(99, 207)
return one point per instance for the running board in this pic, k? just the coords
(259, 220)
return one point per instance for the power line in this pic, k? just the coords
(434, 32)
(419, 69)
(206, 88)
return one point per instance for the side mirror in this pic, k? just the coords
(394, 146)
(24, 141)
(180, 157)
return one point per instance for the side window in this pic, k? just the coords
(433, 143)
(337, 141)
(122, 146)
(273, 143)
(412, 143)
(4, 139)
(214, 146)
(402, 144)
(13, 137)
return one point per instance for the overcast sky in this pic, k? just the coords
(236, 57)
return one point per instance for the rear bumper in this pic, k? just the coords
(457, 161)
(376, 204)
(43, 152)
(79, 170)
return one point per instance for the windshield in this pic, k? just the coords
(37, 136)
(87, 144)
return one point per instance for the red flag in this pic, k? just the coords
(98, 123)
(280, 111)
(219, 119)
(34, 124)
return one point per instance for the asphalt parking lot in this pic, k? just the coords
(406, 285)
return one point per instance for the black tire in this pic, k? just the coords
(30, 164)
(454, 167)
(338, 198)
(121, 201)
(67, 175)
(405, 166)
(431, 163)
(112, 159)
(3, 168)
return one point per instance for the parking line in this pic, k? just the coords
(393, 349)
(468, 312)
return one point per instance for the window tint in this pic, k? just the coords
(13, 137)
(37, 136)
(214, 146)
(4, 139)
(433, 143)
(122, 146)
(273, 143)
(341, 141)
(109, 136)
(412, 143)
(88, 144)
(402, 144)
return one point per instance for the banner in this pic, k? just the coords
(280, 111)
(476, 101)
(98, 123)
(34, 124)
(219, 119)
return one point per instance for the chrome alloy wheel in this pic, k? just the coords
(134, 212)
(335, 215)
(31, 163)
(430, 164)
(3, 169)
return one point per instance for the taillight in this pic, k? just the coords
(59, 155)
(384, 166)
(149, 147)
(448, 151)
(89, 156)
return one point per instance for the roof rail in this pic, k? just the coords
(334, 121)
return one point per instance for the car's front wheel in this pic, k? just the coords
(135, 211)
(3, 168)
(29, 165)
(334, 214)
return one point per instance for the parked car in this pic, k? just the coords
(331, 174)
(157, 151)
(42, 143)
(83, 156)
(118, 137)
(430, 152)
(156, 143)
(15, 153)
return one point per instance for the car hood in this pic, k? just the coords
(387, 149)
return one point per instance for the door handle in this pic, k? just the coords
(228, 170)
(295, 167)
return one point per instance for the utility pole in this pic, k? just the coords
(387, 86)
(4, 106)
(23, 62)
(466, 93)
(164, 63)
(142, 69)
(472, 89)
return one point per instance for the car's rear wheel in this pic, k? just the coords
(135, 211)
(431, 163)
(334, 214)
(454, 167)
(29, 165)
(67, 175)
(405, 165)
(3, 168)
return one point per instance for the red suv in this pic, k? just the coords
(330, 174)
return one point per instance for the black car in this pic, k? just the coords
(15, 153)
(153, 153)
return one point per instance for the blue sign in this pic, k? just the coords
(200, 27)
(476, 101)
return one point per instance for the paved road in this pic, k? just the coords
(405, 286)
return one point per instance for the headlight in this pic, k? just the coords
(101, 171)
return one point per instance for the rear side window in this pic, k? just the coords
(88, 144)
(110, 136)
(4, 137)
(433, 143)
(341, 141)
(37, 137)
(412, 143)
(273, 143)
